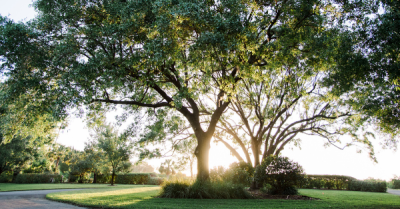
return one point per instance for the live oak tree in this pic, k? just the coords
(184, 56)
(279, 108)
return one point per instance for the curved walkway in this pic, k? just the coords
(33, 199)
(393, 191)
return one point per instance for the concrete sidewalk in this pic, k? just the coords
(33, 199)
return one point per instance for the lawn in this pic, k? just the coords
(21, 187)
(143, 197)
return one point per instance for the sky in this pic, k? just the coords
(314, 158)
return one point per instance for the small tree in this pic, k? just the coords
(116, 148)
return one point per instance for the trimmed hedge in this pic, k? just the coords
(368, 186)
(103, 178)
(326, 182)
(132, 178)
(32, 178)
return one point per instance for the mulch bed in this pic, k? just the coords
(260, 195)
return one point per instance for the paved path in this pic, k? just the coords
(34, 199)
(392, 191)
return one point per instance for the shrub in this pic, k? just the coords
(156, 181)
(368, 186)
(6, 177)
(204, 190)
(280, 173)
(132, 178)
(396, 184)
(73, 178)
(237, 173)
(29, 178)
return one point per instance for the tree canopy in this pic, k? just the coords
(187, 57)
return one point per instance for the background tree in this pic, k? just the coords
(57, 152)
(116, 148)
(15, 155)
(142, 167)
(187, 57)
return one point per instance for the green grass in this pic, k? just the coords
(143, 197)
(22, 187)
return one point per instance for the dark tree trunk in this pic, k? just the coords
(202, 154)
(94, 177)
(112, 178)
(15, 174)
(255, 147)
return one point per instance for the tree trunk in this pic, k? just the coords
(94, 177)
(15, 173)
(112, 178)
(255, 147)
(202, 153)
(57, 161)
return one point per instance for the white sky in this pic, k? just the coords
(314, 158)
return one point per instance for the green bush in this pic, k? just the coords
(31, 178)
(156, 181)
(280, 173)
(237, 173)
(204, 190)
(73, 178)
(394, 184)
(6, 177)
(368, 186)
(132, 178)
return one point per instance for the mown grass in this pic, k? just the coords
(144, 197)
(4, 187)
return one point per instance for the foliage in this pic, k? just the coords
(34, 178)
(116, 148)
(368, 186)
(237, 173)
(280, 173)
(103, 178)
(394, 184)
(6, 177)
(184, 57)
(156, 181)
(40, 164)
(132, 178)
(321, 181)
(204, 190)
(142, 167)
(367, 68)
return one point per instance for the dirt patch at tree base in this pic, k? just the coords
(257, 194)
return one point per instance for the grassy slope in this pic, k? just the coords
(21, 187)
(142, 197)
